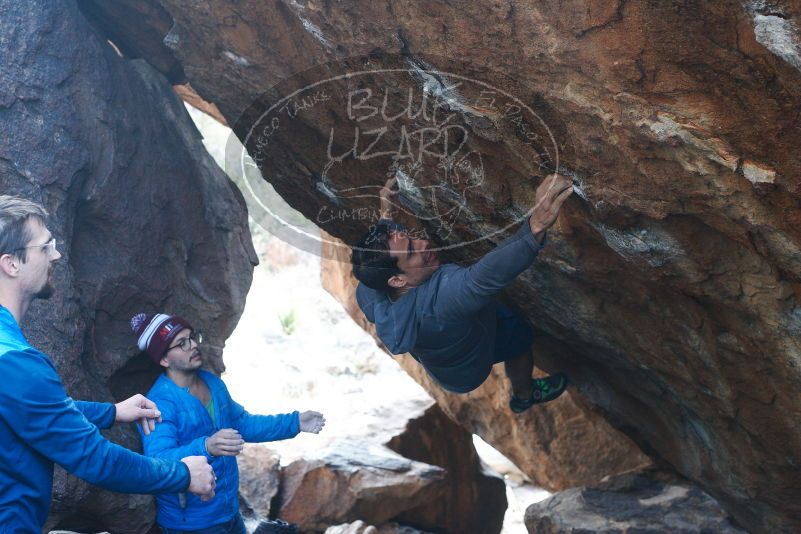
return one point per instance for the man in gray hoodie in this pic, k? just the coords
(445, 316)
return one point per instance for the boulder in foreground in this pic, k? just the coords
(351, 481)
(642, 502)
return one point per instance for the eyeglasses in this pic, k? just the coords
(186, 343)
(49, 247)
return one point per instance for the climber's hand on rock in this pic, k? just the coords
(389, 198)
(551, 193)
(311, 422)
(225, 442)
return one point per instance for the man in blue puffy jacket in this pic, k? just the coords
(39, 423)
(199, 417)
(446, 316)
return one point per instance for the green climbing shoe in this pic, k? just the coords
(543, 390)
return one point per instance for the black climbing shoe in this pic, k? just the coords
(543, 390)
(275, 526)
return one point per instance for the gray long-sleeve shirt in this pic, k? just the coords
(448, 322)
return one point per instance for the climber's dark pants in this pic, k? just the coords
(513, 335)
(513, 338)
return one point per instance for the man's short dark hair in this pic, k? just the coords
(14, 213)
(373, 265)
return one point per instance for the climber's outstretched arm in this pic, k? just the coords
(466, 291)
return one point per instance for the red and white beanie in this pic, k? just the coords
(155, 332)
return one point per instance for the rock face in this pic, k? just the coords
(670, 289)
(475, 498)
(144, 219)
(558, 445)
(461, 495)
(259, 477)
(647, 502)
(352, 481)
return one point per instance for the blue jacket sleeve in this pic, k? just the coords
(163, 441)
(36, 406)
(259, 428)
(100, 414)
(466, 291)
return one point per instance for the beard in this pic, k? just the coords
(188, 366)
(45, 293)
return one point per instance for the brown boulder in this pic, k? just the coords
(475, 498)
(352, 480)
(259, 477)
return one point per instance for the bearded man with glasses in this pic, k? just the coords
(199, 417)
(39, 424)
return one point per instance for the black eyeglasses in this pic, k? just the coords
(186, 343)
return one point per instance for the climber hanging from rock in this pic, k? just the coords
(446, 315)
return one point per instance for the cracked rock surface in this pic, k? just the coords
(670, 288)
